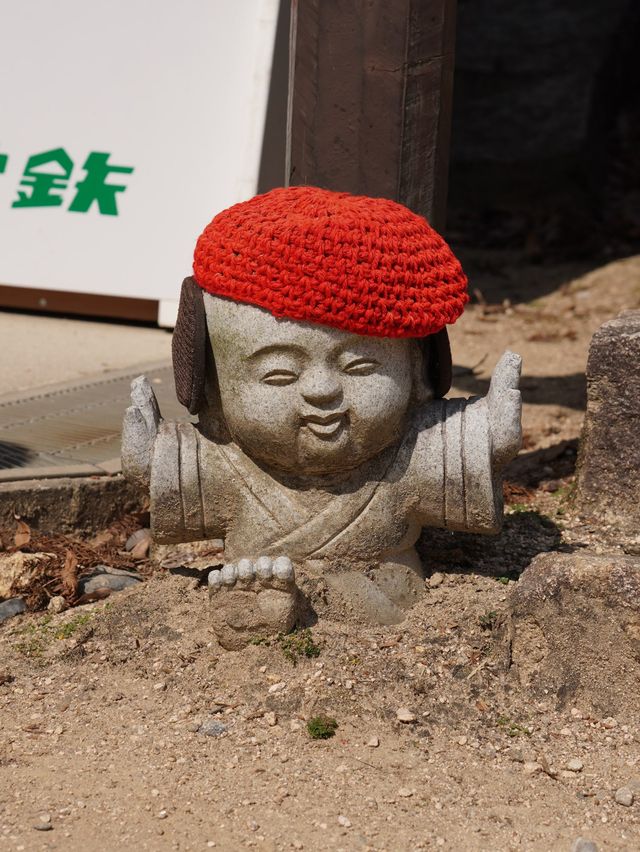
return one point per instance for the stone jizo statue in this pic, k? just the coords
(311, 344)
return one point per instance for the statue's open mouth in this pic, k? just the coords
(326, 426)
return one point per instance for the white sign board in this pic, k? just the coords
(125, 127)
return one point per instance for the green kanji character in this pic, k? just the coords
(43, 181)
(93, 187)
(3, 162)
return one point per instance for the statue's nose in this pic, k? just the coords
(320, 386)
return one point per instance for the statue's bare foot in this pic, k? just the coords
(252, 599)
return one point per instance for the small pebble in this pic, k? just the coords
(212, 728)
(43, 823)
(162, 814)
(575, 765)
(57, 604)
(344, 821)
(374, 742)
(97, 581)
(403, 714)
(11, 607)
(271, 719)
(581, 844)
(531, 767)
(405, 792)
(624, 796)
(436, 580)
(137, 536)
(277, 687)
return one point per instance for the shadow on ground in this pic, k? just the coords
(569, 391)
(525, 534)
(14, 455)
(556, 462)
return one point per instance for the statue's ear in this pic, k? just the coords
(189, 347)
(437, 359)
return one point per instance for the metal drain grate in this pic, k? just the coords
(74, 429)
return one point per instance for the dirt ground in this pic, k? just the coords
(127, 727)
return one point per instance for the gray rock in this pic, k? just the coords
(43, 823)
(581, 844)
(14, 606)
(574, 623)
(212, 728)
(137, 536)
(608, 470)
(624, 796)
(57, 604)
(436, 580)
(98, 581)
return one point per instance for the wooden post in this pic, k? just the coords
(370, 91)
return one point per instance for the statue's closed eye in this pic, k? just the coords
(361, 367)
(279, 377)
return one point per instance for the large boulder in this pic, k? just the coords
(574, 623)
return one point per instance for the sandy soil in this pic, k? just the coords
(102, 706)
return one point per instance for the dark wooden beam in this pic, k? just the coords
(81, 304)
(370, 91)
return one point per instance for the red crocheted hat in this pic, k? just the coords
(366, 265)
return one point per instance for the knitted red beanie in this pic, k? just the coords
(366, 265)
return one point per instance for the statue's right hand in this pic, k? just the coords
(139, 430)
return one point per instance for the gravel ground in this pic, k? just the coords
(125, 725)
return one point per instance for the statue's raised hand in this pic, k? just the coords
(139, 430)
(505, 408)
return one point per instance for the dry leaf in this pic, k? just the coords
(23, 534)
(69, 575)
(98, 595)
(141, 549)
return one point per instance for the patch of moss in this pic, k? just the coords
(66, 630)
(298, 644)
(322, 727)
(36, 637)
(488, 620)
(512, 729)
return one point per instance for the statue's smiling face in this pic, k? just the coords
(307, 399)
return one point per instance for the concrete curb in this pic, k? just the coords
(68, 504)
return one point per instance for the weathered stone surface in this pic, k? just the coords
(68, 504)
(99, 580)
(14, 606)
(325, 448)
(608, 463)
(574, 622)
(253, 600)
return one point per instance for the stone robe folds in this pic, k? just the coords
(439, 475)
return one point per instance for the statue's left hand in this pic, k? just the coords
(139, 430)
(505, 409)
